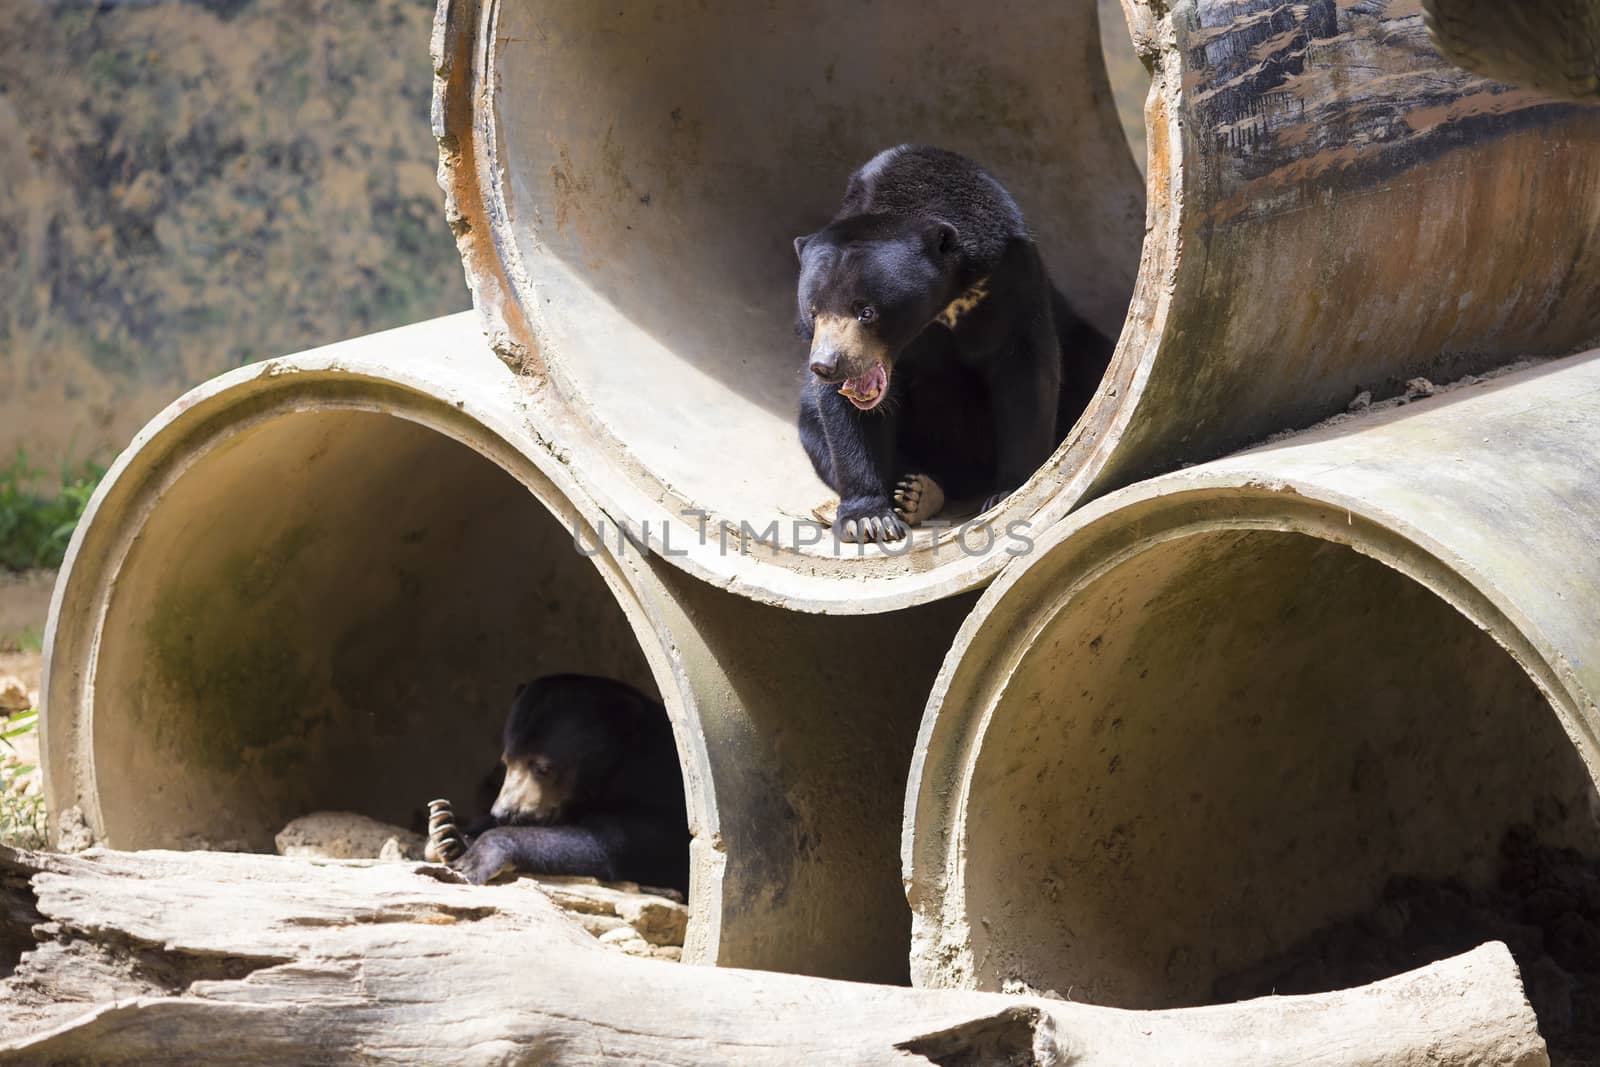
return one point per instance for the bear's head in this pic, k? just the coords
(563, 740)
(869, 285)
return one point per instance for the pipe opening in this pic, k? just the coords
(332, 609)
(1233, 740)
(654, 165)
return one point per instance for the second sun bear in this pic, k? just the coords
(943, 361)
(592, 787)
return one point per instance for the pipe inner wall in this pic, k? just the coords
(1226, 724)
(1330, 207)
(332, 610)
(1230, 741)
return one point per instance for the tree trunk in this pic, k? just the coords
(217, 958)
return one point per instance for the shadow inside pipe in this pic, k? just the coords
(1241, 738)
(332, 610)
(656, 165)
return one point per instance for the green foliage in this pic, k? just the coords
(31, 639)
(22, 815)
(35, 527)
(19, 726)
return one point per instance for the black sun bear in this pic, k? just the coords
(592, 787)
(943, 361)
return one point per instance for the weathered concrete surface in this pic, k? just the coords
(1331, 207)
(1218, 709)
(229, 959)
(1549, 45)
(314, 584)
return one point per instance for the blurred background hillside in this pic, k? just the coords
(196, 184)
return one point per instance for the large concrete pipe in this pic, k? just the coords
(313, 584)
(1217, 710)
(1549, 45)
(1331, 207)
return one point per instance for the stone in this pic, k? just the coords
(14, 696)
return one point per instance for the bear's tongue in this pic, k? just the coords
(865, 390)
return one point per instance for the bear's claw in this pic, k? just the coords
(871, 528)
(918, 498)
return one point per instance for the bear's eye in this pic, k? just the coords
(541, 768)
(812, 311)
(868, 314)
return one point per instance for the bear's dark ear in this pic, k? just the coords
(800, 244)
(941, 237)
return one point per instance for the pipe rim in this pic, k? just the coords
(851, 580)
(339, 378)
(1075, 555)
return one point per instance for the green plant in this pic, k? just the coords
(31, 639)
(22, 814)
(35, 527)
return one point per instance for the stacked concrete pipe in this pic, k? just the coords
(314, 583)
(1215, 711)
(311, 583)
(1331, 207)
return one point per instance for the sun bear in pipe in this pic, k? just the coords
(943, 361)
(592, 787)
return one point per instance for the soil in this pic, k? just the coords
(1545, 905)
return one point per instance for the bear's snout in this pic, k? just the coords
(526, 796)
(842, 349)
(825, 364)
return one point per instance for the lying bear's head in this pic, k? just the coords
(868, 286)
(562, 742)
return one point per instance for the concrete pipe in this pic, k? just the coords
(313, 584)
(1549, 45)
(1330, 207)
(1217, 710)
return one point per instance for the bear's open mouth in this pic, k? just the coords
(866, 390)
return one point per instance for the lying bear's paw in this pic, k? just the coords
(875, 521)
(918, 498)
(490, 854)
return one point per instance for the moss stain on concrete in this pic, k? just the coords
(213, 647)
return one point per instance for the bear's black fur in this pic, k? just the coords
(939, 346)
(592, 787)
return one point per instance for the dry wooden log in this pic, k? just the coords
(150, 957)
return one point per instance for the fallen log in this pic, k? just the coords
(220, 958)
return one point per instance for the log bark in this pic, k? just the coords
(122, 958)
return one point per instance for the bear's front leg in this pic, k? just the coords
(853, 452)
(574, 850)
